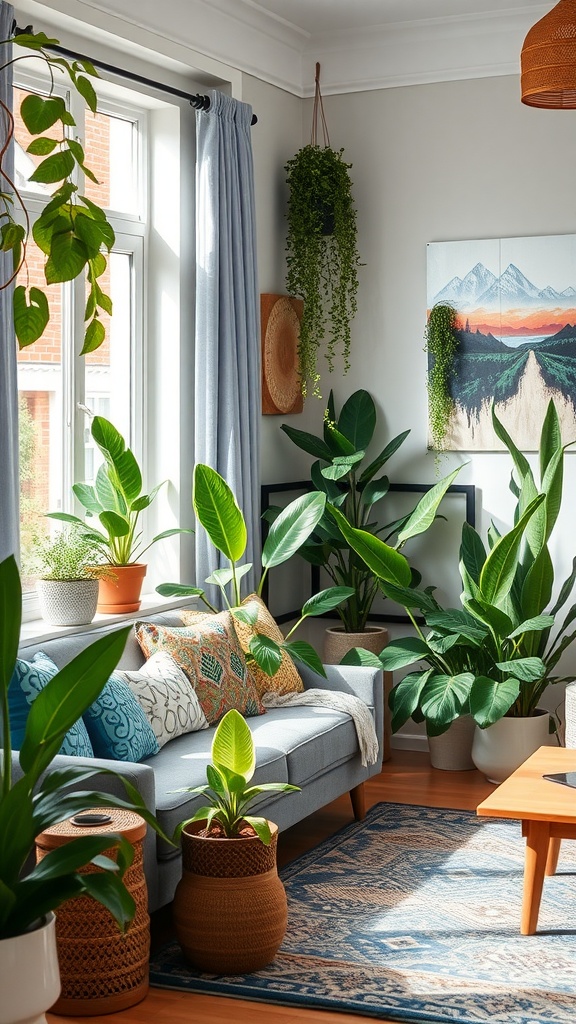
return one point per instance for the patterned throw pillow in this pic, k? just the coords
(166, 697)
(210, 655)
(117, 725)
(28, 680)
(287, 678)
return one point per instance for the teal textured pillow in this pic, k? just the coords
(28, 680)
(117, 725)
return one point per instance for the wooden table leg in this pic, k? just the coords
(537, 841)
(553, 854)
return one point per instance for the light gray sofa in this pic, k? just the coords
(315, 748)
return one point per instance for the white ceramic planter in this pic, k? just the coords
(29, 975)
(68, 602)
(501, 748)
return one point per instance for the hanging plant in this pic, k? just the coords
(322, 256)
(442, 343)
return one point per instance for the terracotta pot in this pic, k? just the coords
(68, 602)
(120, 592)
(337, 643)
(452, 750)
(29, 975)
(501, 748)
(230, 909)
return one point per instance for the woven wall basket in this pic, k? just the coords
(230, 910)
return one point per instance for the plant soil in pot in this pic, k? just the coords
(230, 908)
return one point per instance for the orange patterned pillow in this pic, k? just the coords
(212, 658)
(287, 678)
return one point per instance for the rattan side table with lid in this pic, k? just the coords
(102, 970)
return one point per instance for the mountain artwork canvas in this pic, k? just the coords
(516, 305)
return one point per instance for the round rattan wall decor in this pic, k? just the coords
(281, 387)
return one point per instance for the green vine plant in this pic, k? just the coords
(322, 257)
(442, 343)
(71, 231)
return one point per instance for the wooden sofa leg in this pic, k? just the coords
(358, 798)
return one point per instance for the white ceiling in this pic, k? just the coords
(315, 17)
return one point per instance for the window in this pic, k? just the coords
(56, 386)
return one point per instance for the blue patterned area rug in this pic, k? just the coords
(413, 915)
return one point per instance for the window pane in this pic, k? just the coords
(24, 163)
(41, 423)
(111, 155)
(108, 369)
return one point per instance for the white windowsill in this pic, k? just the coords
(37, 630)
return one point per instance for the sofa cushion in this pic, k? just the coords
(312, 739)
(287, 678)
(28, 679)
(117, 725)
(210, 655)
(182, 764)
(166, 697)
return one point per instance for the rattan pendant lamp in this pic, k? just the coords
(548, 60)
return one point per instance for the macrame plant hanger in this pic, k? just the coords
(318, 109)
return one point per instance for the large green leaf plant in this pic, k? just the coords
(116, 500)
(218, 512)
(354, 485)
(40, 797)
(72, 232)
(496, 654)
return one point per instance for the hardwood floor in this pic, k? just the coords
(406, 778)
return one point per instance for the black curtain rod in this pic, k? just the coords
(199, 102)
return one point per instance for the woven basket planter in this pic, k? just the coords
(230, 909)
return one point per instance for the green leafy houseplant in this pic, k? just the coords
(496, 654)
(116, 499)
(229, 790)
(69, 556)
(352, 485)
(39, 798)
(322, 255)
(441, 345)
(71, 231)
(218, 512)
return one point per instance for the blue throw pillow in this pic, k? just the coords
(117, 725)
(28, 680)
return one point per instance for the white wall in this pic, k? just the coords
(458, 160)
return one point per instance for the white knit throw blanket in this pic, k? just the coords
(347, 702)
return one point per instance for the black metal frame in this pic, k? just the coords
(266, 490)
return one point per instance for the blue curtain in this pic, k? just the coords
(9, 532)
(227, 348)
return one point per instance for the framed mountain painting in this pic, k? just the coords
(515, 300)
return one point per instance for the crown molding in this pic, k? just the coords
(250, 39)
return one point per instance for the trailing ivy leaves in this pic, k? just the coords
(72, 232)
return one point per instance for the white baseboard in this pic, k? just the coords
(409, 741)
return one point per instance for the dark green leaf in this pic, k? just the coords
(30, 317)
(472, 552)
(528, 670)
(327, 600)
(42, 146)
(384, 561)
(54, 168)
(405, 697)
(301, 651)
(86, 90)
(400, 653)
(40, 113)
(266, 653)
(360, 656)
(357, 420)
(490, 699)
(67, 258)
(93, 338)
(443, 696)
(314, 446)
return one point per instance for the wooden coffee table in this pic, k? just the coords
(547, 811)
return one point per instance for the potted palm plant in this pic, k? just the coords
(494, 657)
(69, 578)
(218, 512)
(39, 797)
(117, 501)
(230, 906)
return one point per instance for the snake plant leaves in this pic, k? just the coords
(217, 511)
(550, 438)
(292, 527)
